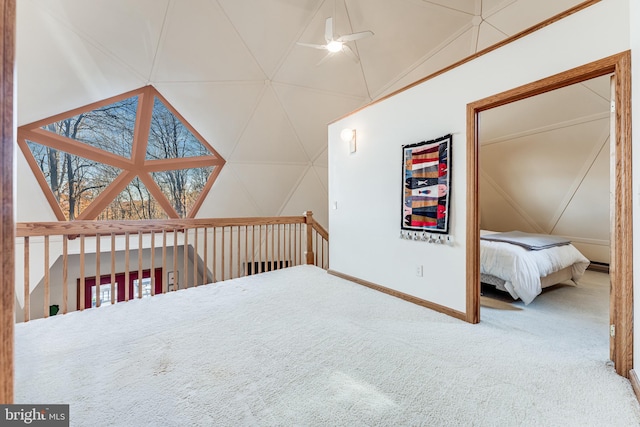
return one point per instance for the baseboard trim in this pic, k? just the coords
(635, 383)
(599, 266)
(410, 298)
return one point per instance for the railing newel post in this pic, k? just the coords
(308, 219)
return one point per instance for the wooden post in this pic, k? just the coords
(308, 219)
(7, 221)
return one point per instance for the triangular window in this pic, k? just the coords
(128, 157)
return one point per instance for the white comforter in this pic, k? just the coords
(522, 269)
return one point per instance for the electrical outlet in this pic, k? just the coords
(170, 278)
(419, 271)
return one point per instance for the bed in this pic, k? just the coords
(522, 264)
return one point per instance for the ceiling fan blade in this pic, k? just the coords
(315, 46)
(355, 36)
(328, 30)
(323, 60)
(350, 53)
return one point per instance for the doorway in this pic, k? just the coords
(621, 298)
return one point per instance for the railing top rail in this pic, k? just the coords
(321, 231)
(91, 228)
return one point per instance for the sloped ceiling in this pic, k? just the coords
(234, 71)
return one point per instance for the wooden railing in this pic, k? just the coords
(58, 263)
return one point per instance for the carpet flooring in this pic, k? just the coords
(299, 347)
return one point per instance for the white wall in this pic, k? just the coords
(366, 185)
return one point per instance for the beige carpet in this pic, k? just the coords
(299, 347)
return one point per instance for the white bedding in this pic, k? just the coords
(522, 269)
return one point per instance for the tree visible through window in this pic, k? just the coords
(128, 157)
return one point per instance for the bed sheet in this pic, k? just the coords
(522, 269)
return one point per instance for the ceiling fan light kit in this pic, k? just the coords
(337, 44)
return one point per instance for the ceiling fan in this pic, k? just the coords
(337, 44)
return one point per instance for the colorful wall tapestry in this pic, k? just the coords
(426, 169)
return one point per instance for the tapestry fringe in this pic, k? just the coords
(423, 236)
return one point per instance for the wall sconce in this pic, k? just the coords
(349, 135)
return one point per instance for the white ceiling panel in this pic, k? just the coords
(500, 213)
(453, 52)
(200, 44)
(218, 111)
(254, 20)
(543, 111)
(601, 87)
(323, 175)
(139, 26)
(490, 7)
(269, 137)
(488, 36)
(269, 186)
(228, 197)
(591, 196)
(466, 6)
(538, 171)
(523, 14)
(322, 160)
(310, 111)
(390, 52)
(310, 195)
(35, 207)
(58, 70)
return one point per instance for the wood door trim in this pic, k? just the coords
(7, 226)
(621, 212)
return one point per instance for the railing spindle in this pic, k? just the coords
(231, 252)
(238, 257)
(205, 268)
(140, 265)
(195, 257)
(152, 271)
(65, 274)
(126, 267)
(185, 258)
(81, 290)
(98, 270)
(164, 262)
(176, 281)
(222, 250)
(246, 248)
(27, 287)
(215, 260)
(46, 276)
(260, 249)
(113, 269)
(289, 246)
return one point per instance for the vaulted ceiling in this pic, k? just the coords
(234, 71)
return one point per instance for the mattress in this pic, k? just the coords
(521, 270)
